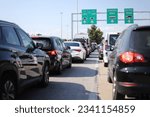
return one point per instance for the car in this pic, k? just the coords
(59, 54)
(22, 63)
(93, 46)
(100, 51)
(85, 43)
(108, 42)
(78, 51)
(87, 49)
(129, 63)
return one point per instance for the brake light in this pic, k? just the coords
(78, 50)
(131, 57)
(52, 53)
(128, 84)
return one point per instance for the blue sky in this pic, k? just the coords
(44, 16)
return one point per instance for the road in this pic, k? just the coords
(81, 82)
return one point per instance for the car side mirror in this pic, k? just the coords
(67, 48)
(39, 45)
(111, 48)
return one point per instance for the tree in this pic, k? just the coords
(95, 34)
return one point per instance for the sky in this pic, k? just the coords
(53, 17)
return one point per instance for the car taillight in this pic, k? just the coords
(52, 53)
(131, 57)
(78, 50)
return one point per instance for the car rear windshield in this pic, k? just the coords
(113, 38)
(72, 44)
(44, 41)
(141, 40)
(0, 36)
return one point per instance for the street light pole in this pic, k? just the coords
(61, 13)
(77, 17)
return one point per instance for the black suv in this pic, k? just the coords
(129, 63)
(21, 62)
(59, 54)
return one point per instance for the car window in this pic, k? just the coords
(27, 41)
(72, 44)
(0, 35)
(119, 42)
(44, 41)
(10, 35)
(59, 45)
(113, 38)
(141, 39)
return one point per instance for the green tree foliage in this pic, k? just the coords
(95, 34)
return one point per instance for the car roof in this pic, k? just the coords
(44, 36)
(72, 42)
(142, 27)
(6, 23)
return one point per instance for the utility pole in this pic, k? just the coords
(61, 13)
(77, 17)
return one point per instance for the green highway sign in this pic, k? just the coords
(128, 15)
(89, 16)
(112, 16)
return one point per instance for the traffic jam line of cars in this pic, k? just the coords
(26, 60)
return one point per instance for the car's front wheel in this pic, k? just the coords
(8, 88)
(59, 69)
(45, 77)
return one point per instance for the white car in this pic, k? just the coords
(78, 52)
(108, 43)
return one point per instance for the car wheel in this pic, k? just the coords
(45, 78)
(116, 95)
(109, 79)
(105, 64)
(8, 88)
(70, 64)
(59, 70)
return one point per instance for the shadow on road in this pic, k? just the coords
(78, 72)
(56, 91)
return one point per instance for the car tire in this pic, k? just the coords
(8, 88)
(82, 60)
(105, 64)
(70, 64)
(116, 95)
(109, 79)
(45, 78)
(59, 69)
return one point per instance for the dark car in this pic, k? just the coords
(100, 51)
(87, 49)
(129, 63)
(21, 62)
(59, 54)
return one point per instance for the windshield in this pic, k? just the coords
(72, 44)
(45, 42)
(141, 39)
(113, 38)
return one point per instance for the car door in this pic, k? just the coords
(17, 53)
(66, 56)
(59, 49)
(32, 60)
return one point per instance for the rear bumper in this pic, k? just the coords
(133, 81)
(77, 55)
(54, 63)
